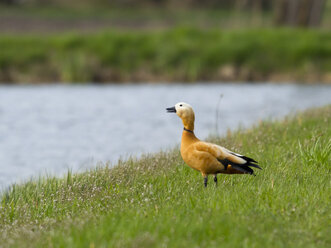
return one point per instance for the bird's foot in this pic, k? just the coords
(205, 181)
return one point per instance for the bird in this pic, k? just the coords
(208, 158)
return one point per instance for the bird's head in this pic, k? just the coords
(185, 112)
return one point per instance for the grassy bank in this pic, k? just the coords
(158, 201)
(179, 54)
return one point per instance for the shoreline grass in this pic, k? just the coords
(157, 201)
(178, 54)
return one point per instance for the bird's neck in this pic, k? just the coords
(188, 138)
(188, 122)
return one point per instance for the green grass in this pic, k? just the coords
(179, 54)
(158, 201)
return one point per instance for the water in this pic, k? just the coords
(49, 129)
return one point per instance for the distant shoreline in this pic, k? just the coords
(276, 78)
(174, 55)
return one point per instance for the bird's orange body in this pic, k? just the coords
(203, 156)
(206, 157)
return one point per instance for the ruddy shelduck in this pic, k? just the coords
(208, 158)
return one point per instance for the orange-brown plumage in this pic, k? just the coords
(206, 157)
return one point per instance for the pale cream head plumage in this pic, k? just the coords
(186, 113)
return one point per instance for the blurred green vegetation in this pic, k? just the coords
(164, 40)
(96, 18)
(178, 54)
(308, 13)
(143, 17)
(179, 16)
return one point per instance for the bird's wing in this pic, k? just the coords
(219, 152)
(227, 157)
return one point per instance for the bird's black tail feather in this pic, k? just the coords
(245, 168)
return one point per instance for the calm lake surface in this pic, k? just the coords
(50, 129)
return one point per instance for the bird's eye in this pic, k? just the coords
(181, 105)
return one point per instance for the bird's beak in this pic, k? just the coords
(171, 110)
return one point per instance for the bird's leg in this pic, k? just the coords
(215, 179)
(205, 180)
